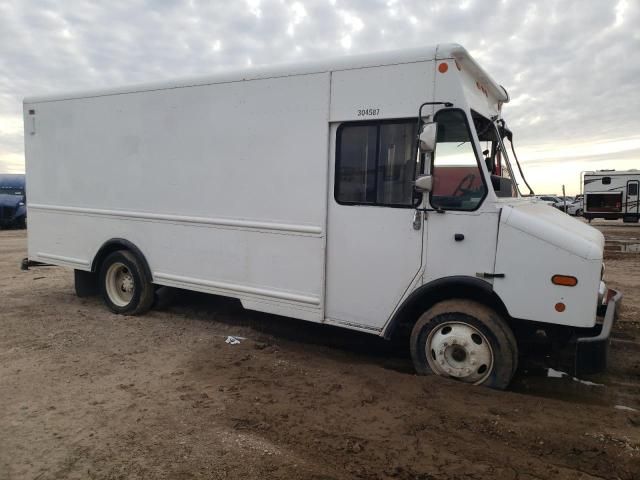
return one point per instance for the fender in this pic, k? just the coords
(423, 297)
(119, 244)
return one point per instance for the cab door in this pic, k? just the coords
(374, 233)
(463, 224)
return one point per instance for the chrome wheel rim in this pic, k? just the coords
(119, 284)
(460, 351)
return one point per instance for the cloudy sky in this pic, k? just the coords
(572, 67)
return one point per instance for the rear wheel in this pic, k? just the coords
(466, 341)
(125, 286)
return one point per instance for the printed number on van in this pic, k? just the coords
(367, 112)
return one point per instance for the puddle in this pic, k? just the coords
(558, 385)
(622, 246)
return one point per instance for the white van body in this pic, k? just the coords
(612, 194)
(226, 184)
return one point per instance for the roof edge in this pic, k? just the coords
(389, 57)
(459, 53)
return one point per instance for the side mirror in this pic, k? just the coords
(427, 137)
(423, 183)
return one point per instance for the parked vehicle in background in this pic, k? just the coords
(13, 199)
(559, 202)
(375, 193)
(575, 208)
(612, 194)
(564, 203)
(551, 200)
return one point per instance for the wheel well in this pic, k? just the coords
(114, 245)
(428, 295)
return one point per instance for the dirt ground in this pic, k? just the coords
(87, 394)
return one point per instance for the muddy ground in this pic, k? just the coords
(88, 394)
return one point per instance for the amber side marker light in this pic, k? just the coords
(443, 67)
(565, 280)
(560, 307)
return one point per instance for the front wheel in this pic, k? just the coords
(124, 284)
(466, 341)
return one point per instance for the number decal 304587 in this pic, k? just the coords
(368, 112)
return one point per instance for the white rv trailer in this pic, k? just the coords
(371, 192)
(611, 195)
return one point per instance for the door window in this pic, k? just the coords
(458, 182)
(632, 189)
(376, 163)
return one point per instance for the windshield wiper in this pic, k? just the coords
(505, 132)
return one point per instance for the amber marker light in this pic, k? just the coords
(443, 67)
(564, 280)
(560, 307)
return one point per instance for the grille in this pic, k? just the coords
(6, 213)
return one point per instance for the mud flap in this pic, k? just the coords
(592, 352)
(86, 283)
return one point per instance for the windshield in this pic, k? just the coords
(505, 179)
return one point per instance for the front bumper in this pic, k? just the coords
(591, 352)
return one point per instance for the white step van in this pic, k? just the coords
(371, 192)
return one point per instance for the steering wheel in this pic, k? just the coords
(464, 187)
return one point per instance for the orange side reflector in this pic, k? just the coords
(565, 280)
(443, 67)
(560, 307)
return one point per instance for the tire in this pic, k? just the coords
(578, 213)
(466, 341)
(125, 286)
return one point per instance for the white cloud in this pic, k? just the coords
(254, 7)
(345, 41)
(621, 7)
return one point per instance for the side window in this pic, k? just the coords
(632, 189)
(356, 166)
(376, 163)
(458, 183)
(606, 180)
